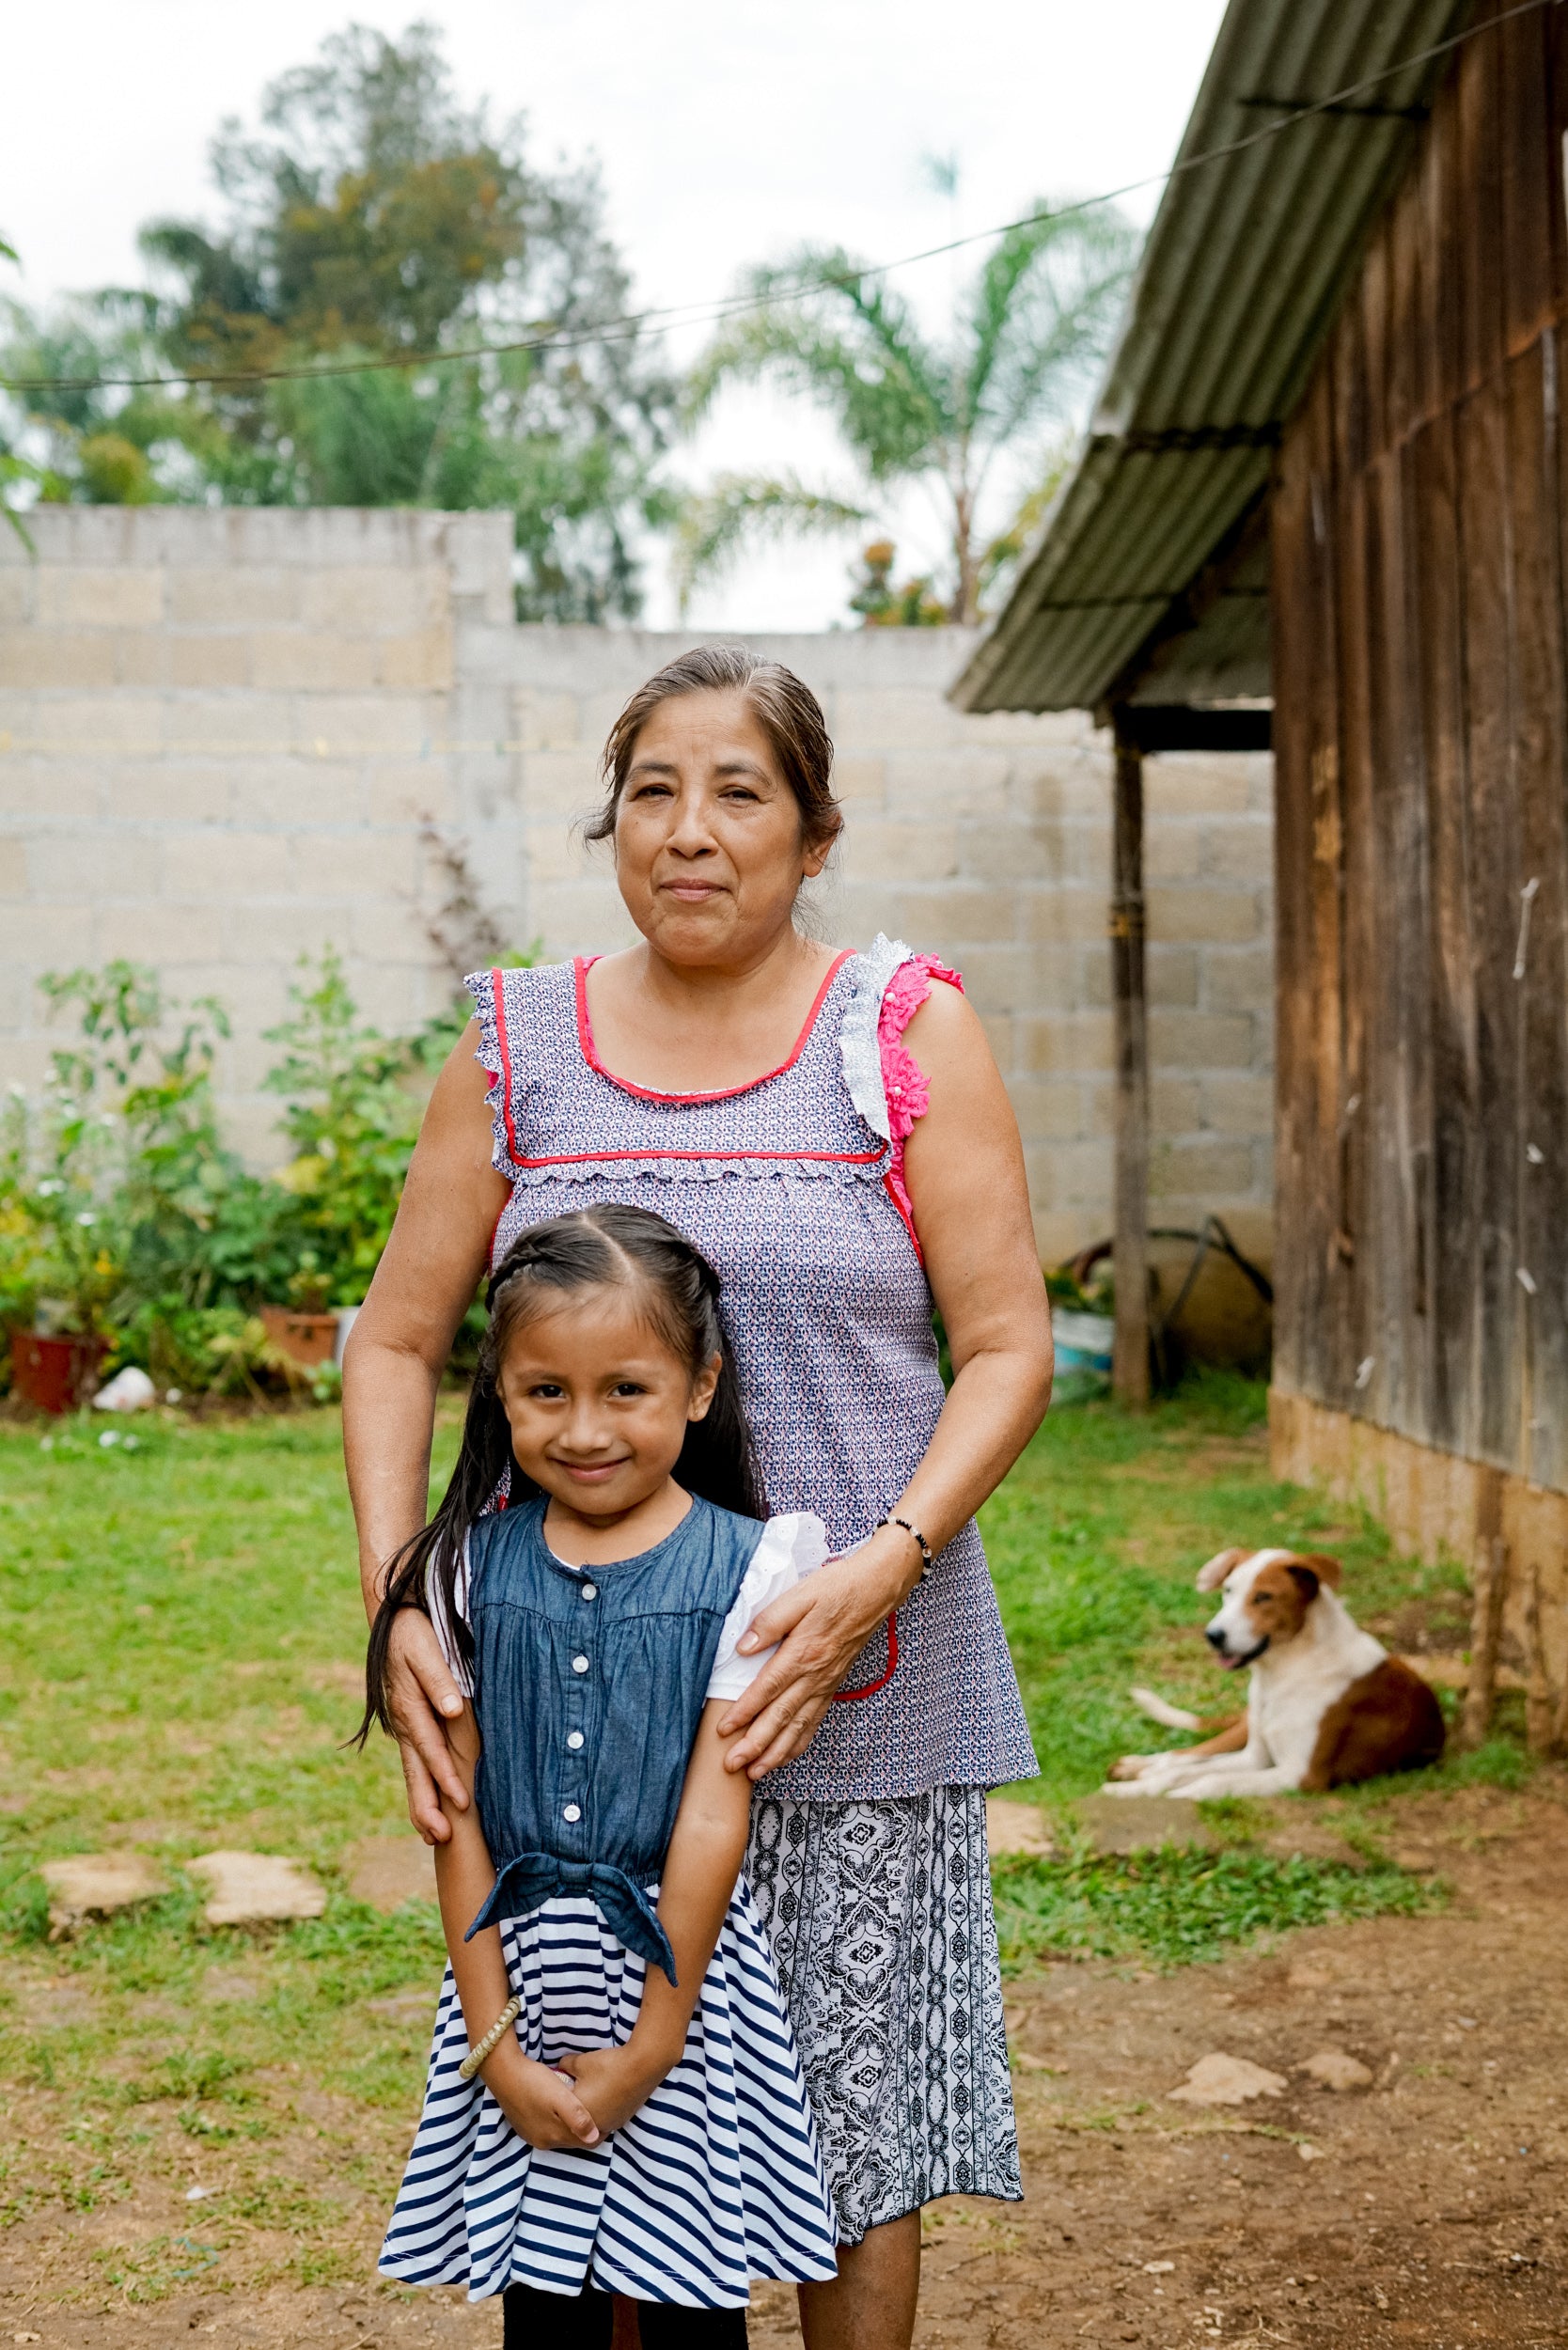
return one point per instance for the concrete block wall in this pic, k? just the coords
(223, 734)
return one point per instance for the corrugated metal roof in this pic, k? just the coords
(1243, 271)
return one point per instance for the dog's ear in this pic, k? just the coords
(1214, 1572)
(1303, 1573)
(1327, 1570)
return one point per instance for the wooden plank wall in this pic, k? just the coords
(1419, 534)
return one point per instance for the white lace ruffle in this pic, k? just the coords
(858, 1046)
(715, 1170)
(480, 985)
(792, 1546)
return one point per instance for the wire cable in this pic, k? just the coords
(545, 336)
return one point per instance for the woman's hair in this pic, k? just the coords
(604, 1246)
(786, 710)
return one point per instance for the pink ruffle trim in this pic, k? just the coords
(903, 1079)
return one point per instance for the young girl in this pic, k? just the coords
(614, 2102)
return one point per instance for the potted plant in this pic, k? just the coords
(305, 1330)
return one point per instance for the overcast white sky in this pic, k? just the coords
(727, 132)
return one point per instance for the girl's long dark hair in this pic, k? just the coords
(602, 1246)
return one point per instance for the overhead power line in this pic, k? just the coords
(545, 336)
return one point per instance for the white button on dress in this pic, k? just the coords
(572, 1811)
(590, 1590)
(579, 1664)
(574, 1739)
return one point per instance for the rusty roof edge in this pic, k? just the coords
(1259, 40)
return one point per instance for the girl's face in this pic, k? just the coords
(709, 851)
(597, 1403)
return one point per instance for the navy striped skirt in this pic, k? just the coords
(715, 2181)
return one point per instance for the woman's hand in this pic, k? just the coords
(541, 2105)
(820, 1628)
(421, 1691)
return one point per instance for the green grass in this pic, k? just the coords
(179, 1645)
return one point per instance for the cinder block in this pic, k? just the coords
(215, 725)
(1060, 1042)
(1240, 852)
(13, 866)
(946, 918)
(1201, 1171)
(97, 863)
(1170, 975)
(361, 725)
(1072, 789)
(207, 660)
(34, 657)
(55, 787)
(1070, 915)
(896, 718)
(958, 782)
(1239, 1106)
(1069, 1174)
(1208, 916)
(106, 725)
(1173, 1104)
(49, 937)
(233, 595)
(1179, 785)
(1172, 852)
(1200, 1039)
(859, 778)
(1049, 1110)
(313, 661)
(218, 863)
(1238, 978)
(372, 600)
(875, 850)
(423, 658)
(361, 863)
(167, 934)
(545, 722)
(18, 595)
(281, 930)
(1007, 852)
(276, 793)
(1061, 1233)
(70, 598)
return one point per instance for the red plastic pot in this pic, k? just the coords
(305, 1338)
(54, 1374)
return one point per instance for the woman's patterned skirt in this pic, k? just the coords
(882, 1926)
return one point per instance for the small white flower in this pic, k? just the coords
(86, 1217)
(110, 1436)
(49, 1186)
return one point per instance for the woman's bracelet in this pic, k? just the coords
(892, 1519)
(497, 2032)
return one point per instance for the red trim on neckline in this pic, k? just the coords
(582, 964)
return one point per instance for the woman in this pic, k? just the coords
(831, 1130)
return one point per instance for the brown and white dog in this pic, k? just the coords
(1327, 1703)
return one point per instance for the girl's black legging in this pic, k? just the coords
(555, 2320)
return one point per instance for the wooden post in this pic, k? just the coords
(1130, 1355)
(1540, 1723)
(1488, 1592)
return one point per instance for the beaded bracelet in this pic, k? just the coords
(891, 1519)
(497, 2032)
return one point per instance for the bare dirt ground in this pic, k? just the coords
(1426, 2208)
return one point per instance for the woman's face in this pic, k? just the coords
(709, 850)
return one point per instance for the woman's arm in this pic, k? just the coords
(963, 1167)
(699, 1874)
(391, 1370)
(540, 2104)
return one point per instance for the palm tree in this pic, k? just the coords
(1030, 329)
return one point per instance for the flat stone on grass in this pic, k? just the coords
(249, 1887)
(1016, 1828)
(1124, 1823)
(1227, 2080)
(387, 1871)
(95, 1884)
(1337, 2069)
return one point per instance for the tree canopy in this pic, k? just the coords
(372, 217)
(978, 413)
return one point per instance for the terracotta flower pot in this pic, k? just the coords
(305, 1338)
(54, 1374)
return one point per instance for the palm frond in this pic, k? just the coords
(715, 522)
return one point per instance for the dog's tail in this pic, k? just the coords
(1175, 1716)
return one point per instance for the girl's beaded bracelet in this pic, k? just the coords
(497, 2031)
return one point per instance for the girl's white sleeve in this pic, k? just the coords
(791, 1546)
(441, 1623)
